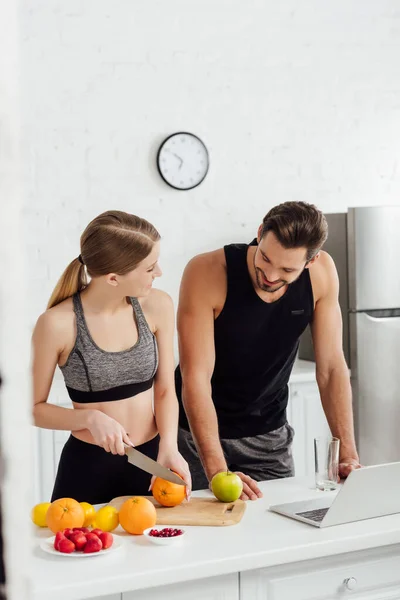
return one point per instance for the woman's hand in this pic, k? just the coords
(108, 433)
(170, 457)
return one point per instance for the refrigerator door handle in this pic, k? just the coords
(382, 316)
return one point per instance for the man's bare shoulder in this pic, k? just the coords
(209, 264)
(323, 275)
(204, 281)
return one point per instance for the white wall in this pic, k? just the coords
(295, 100)
(15, 419)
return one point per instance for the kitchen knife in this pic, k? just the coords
(151, 466)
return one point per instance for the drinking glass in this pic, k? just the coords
(326, 455)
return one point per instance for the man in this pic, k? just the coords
(242, 309)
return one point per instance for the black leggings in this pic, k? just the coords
(88, 473)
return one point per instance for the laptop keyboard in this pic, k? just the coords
(314, 515)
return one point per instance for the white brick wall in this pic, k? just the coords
(15, 419)
(294, 100)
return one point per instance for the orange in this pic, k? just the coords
(63, 513)
(137, 514)
(38, 514)
(106, 518)
(167, 493)
(90, 513)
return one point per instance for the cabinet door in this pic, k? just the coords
(307, 417)
(47, 451)
(36, 467)
(365, 575)
(48, 445)
(44, 461)
(225, 587)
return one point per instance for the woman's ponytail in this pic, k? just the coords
(74, 279)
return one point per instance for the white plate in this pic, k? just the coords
(48, 546)
(167, 541)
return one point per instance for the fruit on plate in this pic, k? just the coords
(226, 486)
(137, 514)
(78, 538)
(91, 536)
(93, 545)
(106, 539)
(59, 536)
(90, 513)
(68, 532)
(83, 529)
(165, 532)
(70, 540)
(64, 513)
(106, 518)
(66, 546)
(38, 514)
(167, 493)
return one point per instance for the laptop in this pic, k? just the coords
(366, 493)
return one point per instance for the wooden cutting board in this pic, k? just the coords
(199, 511)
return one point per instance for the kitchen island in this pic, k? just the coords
(264, 557)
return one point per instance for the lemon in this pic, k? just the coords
(90, 513)
(38, 514)
(106, 518)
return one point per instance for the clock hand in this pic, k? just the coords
(178, 157)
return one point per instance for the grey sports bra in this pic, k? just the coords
(94, 375)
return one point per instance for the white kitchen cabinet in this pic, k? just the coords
(47, 450)
(306, 416)
(369, 575)
(224, 587)
(48, 445)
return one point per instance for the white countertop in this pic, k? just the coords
(261, 539)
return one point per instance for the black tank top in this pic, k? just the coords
(255, 347)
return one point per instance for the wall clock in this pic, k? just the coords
(183, 161)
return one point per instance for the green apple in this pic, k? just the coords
(226, 486)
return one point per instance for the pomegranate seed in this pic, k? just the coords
(165, 532)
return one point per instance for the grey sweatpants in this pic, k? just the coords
(262, 457)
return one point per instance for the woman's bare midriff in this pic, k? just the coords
(134, 414)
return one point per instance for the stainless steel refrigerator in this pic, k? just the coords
(365, 244)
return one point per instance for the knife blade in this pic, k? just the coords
(151, 466)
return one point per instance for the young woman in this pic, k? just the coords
(112, 338)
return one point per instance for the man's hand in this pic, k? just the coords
(346, 465)
(251, 491)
